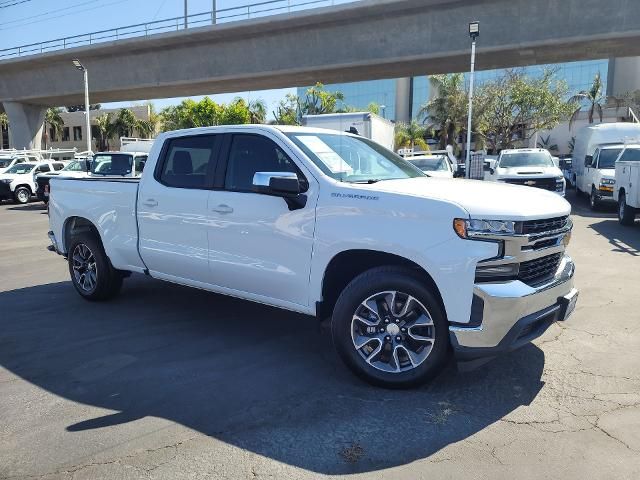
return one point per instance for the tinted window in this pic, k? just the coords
(111, 164)
(631, 155)
(140, 162)
(250, 154)
(188, 160)
(21, 168)
(43, 168)
(58, 166)
(526, 159)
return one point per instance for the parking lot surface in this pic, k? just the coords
(167, 382)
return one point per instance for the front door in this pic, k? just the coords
(173, 214)
(257, 245)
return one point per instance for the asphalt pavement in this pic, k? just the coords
(167, 382)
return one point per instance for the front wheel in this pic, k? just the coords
(389, 328)
(92, 274)
(22, 195)
(626, 214)
(594, 201)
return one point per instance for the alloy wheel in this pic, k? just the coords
(84, 268)
(392, 331)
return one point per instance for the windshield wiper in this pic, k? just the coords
(369, 181)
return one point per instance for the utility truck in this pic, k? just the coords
(366, 124)
(627, 186)
(409, 269)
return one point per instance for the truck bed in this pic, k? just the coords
(110, 204)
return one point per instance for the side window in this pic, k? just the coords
(58, 166)
(187, 161)
(140, 163)
(253, 153)
(43, 168)
(631, 155)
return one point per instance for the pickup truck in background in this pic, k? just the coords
(409, 269)
(627, 185)
(532, 167)
(74, 169)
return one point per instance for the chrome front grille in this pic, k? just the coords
(540, 270)
(536, 227)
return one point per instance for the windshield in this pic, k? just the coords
(74, 167)
(111, 164)
(5, 162)
(607, 157)
(353, 159)
(21, 168)
(526, 159)
(435, 164)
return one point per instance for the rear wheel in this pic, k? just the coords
(626, 214)
(390, 329)
(92, 274)
(22, 195)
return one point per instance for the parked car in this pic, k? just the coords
(533, 167)
(19, 182)
(74, 169)
(124, 164)
(627, 186)
(329, 224)
(433, 165)
(8, 160)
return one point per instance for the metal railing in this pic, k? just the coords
(223, 15)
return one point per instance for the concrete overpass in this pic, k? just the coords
(369, 39)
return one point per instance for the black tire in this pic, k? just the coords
(594, 201)
(626, 214)
(108, 280)
(383, 279)
(22, 195)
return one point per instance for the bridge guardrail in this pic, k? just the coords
(223, 15)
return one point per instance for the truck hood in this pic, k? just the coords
(12, 176)
(524, 172)
(486, 200)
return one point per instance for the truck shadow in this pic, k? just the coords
(254, 377)
(623, 239)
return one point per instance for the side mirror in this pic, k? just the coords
(280, 184)
(587, 160)
(492, 171)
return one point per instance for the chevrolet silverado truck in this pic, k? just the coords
(409, 269)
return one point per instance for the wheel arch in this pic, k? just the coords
(348, 264)
(23, 185)
(74, 225)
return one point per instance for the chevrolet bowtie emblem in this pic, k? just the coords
(530, 182)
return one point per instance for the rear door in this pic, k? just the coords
(257, 244)
(173, 214)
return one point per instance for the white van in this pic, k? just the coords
(594, 154)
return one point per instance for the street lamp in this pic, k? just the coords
(383, 108)
(83, 69)
(474, 32)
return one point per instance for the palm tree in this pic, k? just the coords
(106, 130)
(411, 135)
(125, 123)
(257, 111)
(447, 112)
(546, 143)
(53, 123)
(592, 97)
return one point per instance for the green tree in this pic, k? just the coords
(545, 142)
(316, 101)
(4, 119)
(410, 135)
(125, 123)
(447, 112)
(373, 107)
(106, 130)
(592, 97)
(286, 112)
(513, 107)
(257, 111)
(53, 122)
(235, 113)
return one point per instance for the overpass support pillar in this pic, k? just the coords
(25, 124)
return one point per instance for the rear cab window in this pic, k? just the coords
(189, 162)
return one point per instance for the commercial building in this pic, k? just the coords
(73, 133)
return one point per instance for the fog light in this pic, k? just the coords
(497, 272)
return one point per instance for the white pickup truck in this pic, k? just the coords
(409, 268)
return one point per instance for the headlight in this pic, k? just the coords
(607, 181)
(559, 179)
(476, 228)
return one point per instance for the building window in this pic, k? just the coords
(77, 133)
(65, 134)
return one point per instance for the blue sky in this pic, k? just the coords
(39, 20)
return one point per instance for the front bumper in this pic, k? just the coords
(54, 243)
(605, 194)
(511, 314)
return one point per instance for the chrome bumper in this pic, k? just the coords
(511, 314)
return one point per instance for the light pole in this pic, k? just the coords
(383, 108)
(82, 68)
(185, 14)
(474, 32)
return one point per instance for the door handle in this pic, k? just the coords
(150, 202)
(222, 209)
